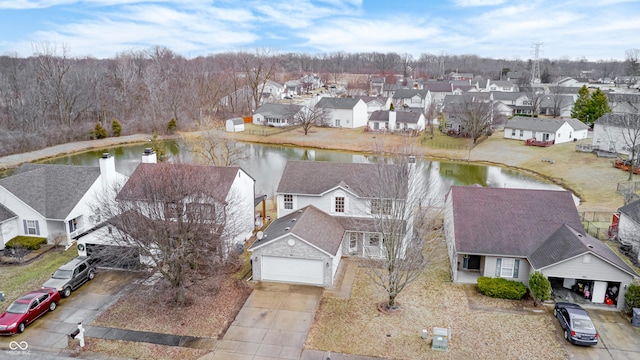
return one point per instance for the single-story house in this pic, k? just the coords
(278, 115)
(543, 129)
(396, 120)
(235, 125)
(509, 233)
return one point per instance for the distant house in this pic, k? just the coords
(460, 76)
(234, 125)
(502, 86)
(517, 102)
(438, 90)
(412, 100)
(624, 103)
(556, 105)
(271, 91)
(542, 129)
(54, 201)
(375, 103)
(344, 112)
(396, 120)
(277, 115)
(539, 230)
(454, 108)
(610, 130)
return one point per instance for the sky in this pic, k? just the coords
(500, 29)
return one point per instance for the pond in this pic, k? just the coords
(265, 163)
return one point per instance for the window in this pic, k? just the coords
(288, 201)
(387, 206)
(521, 133)
(33, 304)
(353, 241)
(507, 268)
(513, 132)
(340, 204)
(373, 240)
(31, 227)
(375, 206)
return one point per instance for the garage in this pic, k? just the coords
(303, 271)
(111, 256)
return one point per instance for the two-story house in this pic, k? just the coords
(344, 112)
(216, 200)
(617, 133)
(412, 100)
(54, 201)
(325, 211)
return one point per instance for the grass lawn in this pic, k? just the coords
(139, 350)
(16, 280)
(481, 327)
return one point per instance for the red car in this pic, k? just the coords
(27, 309)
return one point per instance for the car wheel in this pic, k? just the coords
(555, 312)
(566, 335)
(66, 292)
(21, 328)
(91, 275)
(52, 306)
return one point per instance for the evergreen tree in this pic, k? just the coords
(599, 106)
(98, 132)
(540, 287)
(116, 128)
(581, 106)
(171, 127)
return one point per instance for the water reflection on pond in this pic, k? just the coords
(265, 164)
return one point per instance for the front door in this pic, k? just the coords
(471, 262)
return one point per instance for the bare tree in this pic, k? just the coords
(630, 131)
(475, 116)
(311, 115)
(212, 146)
(632, 62)
(534, 97)
(258, 68)
(404, 221)
(558, 100)
(178, 217)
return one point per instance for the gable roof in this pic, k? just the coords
(318, 177)
(214, 181)
(337, 103)
(310, 224)
(566, 243)
(618, 119)
(51, 190)
(6, 214)
(409, 93)
(438, 86)
(507, 95)
(401, 116)
(577, 124)
(278, 110)
(511, 222)
(368, 99)
(534, 124)
(632, 210)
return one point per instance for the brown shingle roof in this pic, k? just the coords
(513, 222)
(310, 224)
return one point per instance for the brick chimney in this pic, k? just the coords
(149, 156)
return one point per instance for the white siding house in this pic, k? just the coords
(344, 112)
(611, 130)
(542, 129)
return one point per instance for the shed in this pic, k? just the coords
(235, 125)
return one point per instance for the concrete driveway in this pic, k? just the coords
(618, 339)
(50, 332)
(273, 323)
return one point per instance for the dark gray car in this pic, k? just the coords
(576, 324)
(71, 275)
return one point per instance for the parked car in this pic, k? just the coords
(576, 324)
(27, 309)
(71, 275)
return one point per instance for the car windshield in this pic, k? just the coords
(582, 325)
(62, 274)
(18, 308)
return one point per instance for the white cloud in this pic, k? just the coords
(476, 3)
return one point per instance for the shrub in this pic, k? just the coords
(116, 128)
(98, 132)
(632, 298)
(501, 288)
(171, 127)
(26, 242)
(540, 287)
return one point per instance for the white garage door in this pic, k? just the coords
(304, 271)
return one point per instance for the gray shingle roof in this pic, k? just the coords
(317, 177)
(577, 124)
(215, 181)
(409, 93)
(632, 210)
(6, 214)
(282, 111)
(567, 243)
(51, 190)
(409, 117)
(511, 222)
(438, 86)
(310, 224)
(534, 124)
(337, 103)
(618, 120)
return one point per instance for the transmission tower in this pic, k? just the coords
(535, 71)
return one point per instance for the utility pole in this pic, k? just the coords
(535, 71)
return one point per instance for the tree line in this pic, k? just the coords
(52, 98)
